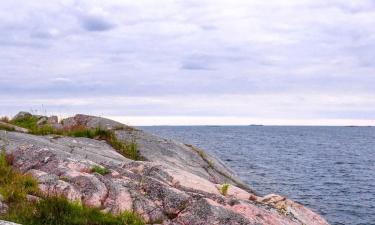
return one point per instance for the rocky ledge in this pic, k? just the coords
(174, 184)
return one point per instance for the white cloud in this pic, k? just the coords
(196, 51)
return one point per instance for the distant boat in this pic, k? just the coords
(256, 125)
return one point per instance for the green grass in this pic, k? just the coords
(49, 210)
(14, 186)
(100, 170)
(7, 128)
(27, 122)
(224, 189)
(129, 149)
(59, 211)
(30, 123)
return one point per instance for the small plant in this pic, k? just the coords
(100, 170)
(224, 189)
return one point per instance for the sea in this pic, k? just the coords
(328, 169)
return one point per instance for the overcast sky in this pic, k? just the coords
(191, 61)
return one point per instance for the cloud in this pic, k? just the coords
(96, 22)
(191, 50)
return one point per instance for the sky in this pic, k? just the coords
(147, 62)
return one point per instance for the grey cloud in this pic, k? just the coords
(191, 65)
(96, 23)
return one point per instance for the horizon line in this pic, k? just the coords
(235, 121)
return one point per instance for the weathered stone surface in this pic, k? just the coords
(42, 120)
(178, 184)
(90, 122)
(52, 120)
(16, 128)
(2, 222)
(3, 206)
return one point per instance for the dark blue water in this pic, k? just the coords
(329, 169)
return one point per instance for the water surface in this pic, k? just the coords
(329, 169)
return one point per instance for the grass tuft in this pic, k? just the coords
(100, 170)
(224, 189)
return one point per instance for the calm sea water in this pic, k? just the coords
(329, 169)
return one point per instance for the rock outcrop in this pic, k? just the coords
(7, 223)
(175, 184)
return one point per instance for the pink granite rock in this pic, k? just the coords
(177, 185)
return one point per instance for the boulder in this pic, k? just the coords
(52, 120)
(42, 120)
(22, 115)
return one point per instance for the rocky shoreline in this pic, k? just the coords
(172, 184)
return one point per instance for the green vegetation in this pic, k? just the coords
(129, 149)
(59, 211)
(7, 128)
(80, 131)
(224, 189)
(51, 210)
(202, 154)
(100, 170)
(126, 148)
(14, 186)
(29, 122)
